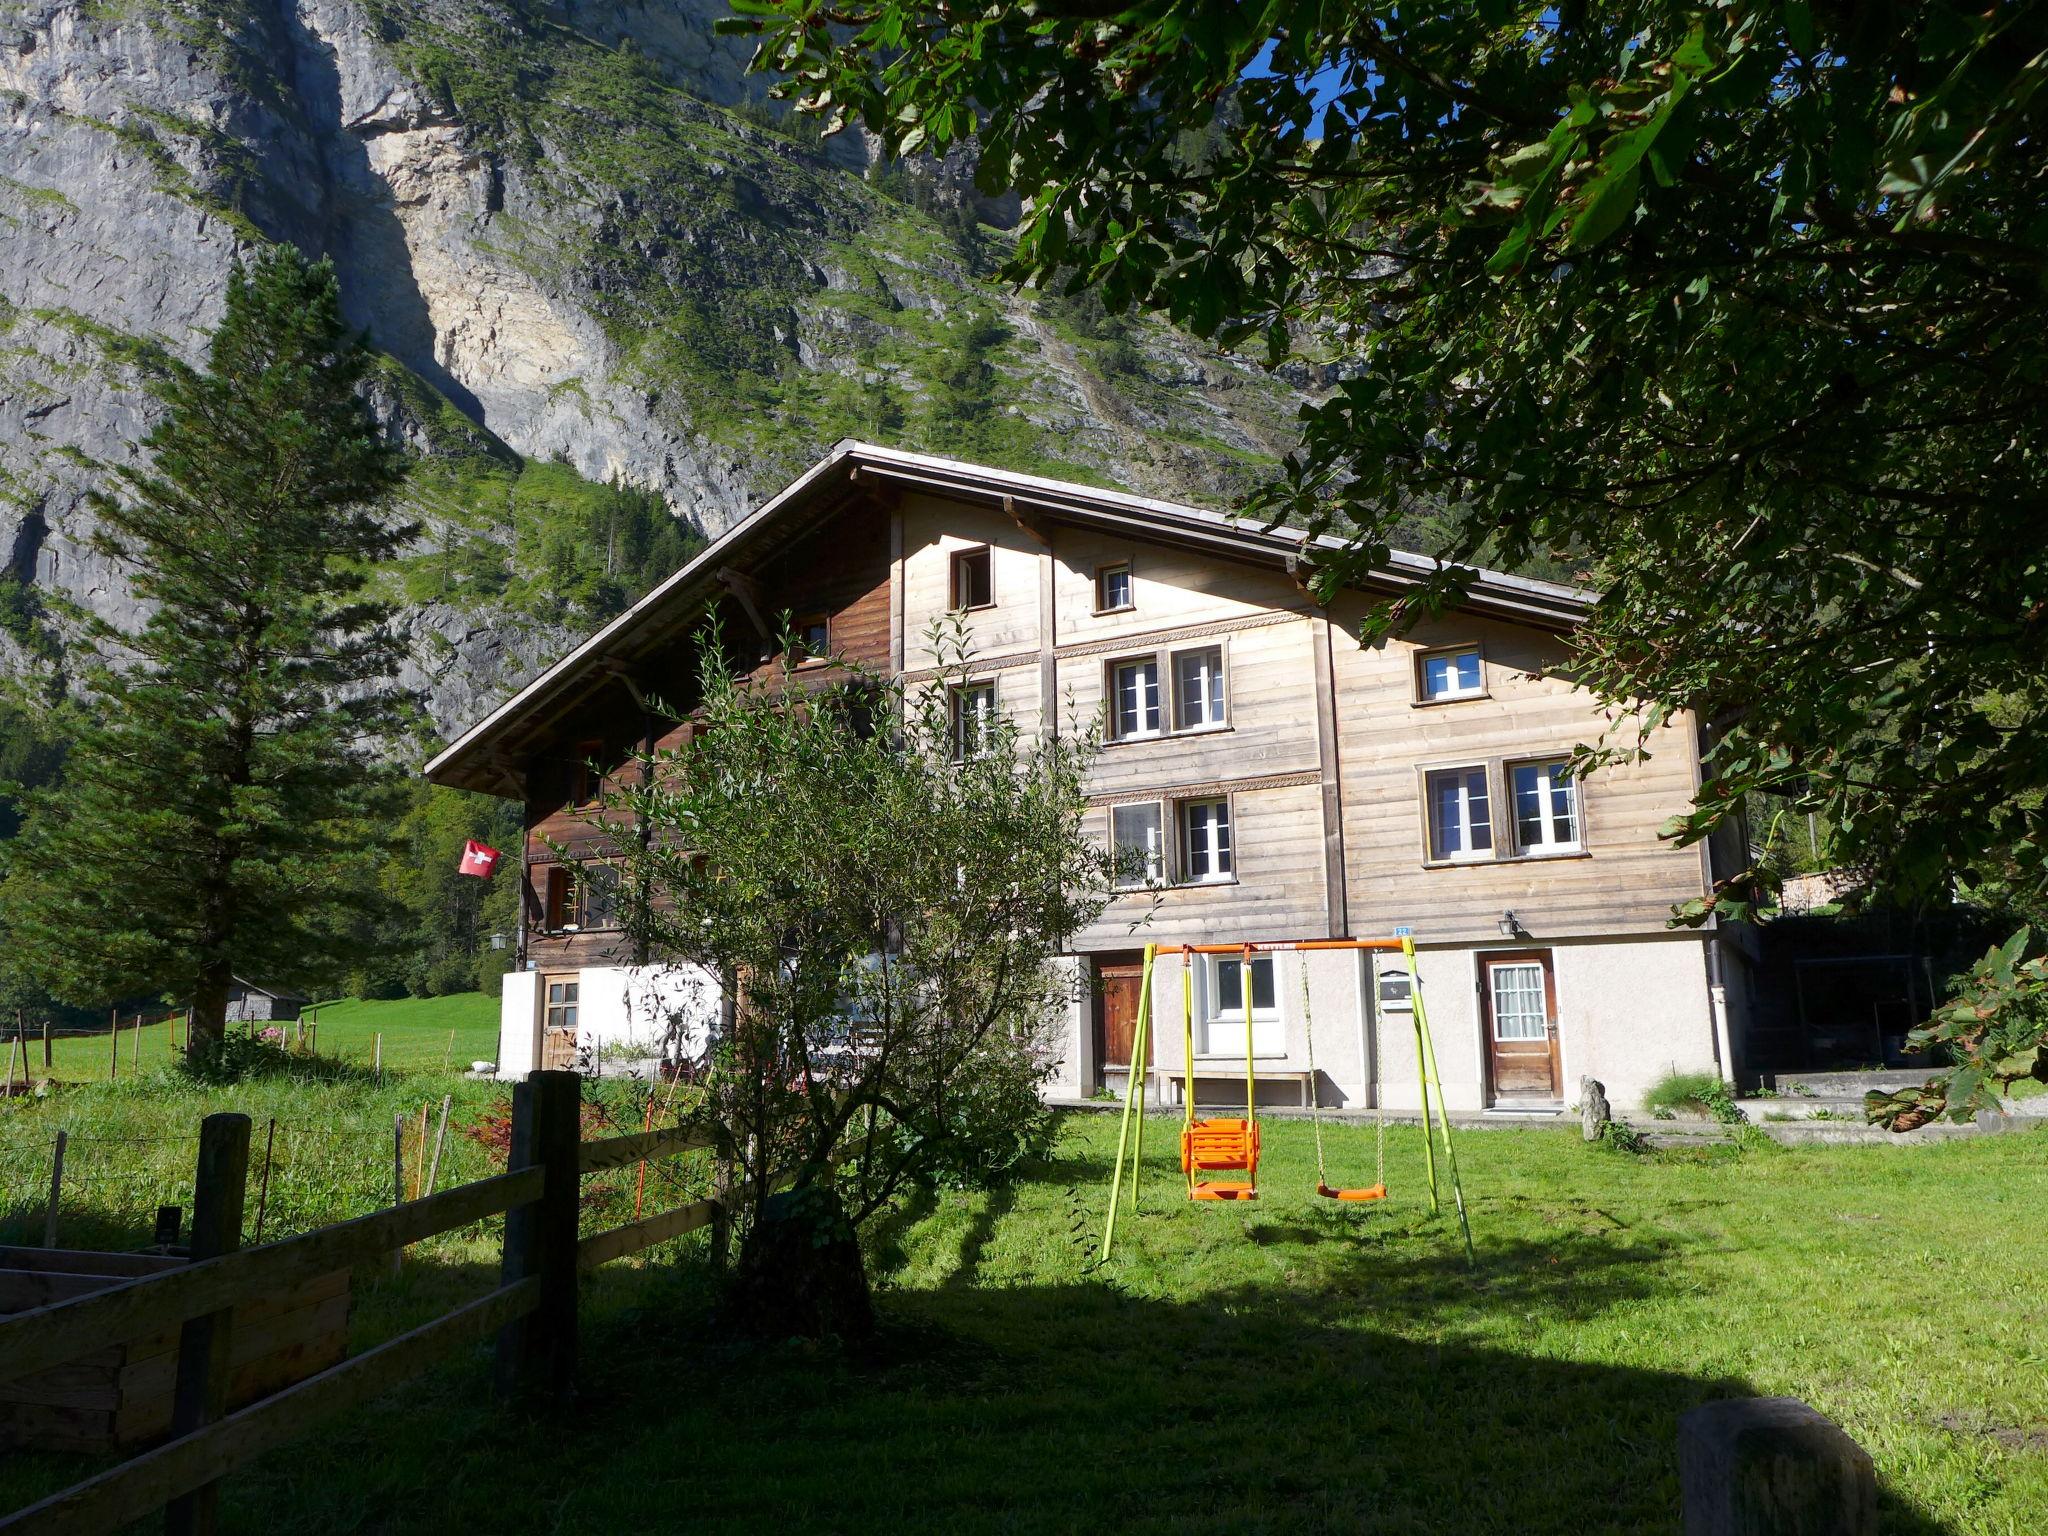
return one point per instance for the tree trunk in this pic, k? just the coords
(800, 1273)
(207, 1023)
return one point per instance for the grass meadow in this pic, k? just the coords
(1290, 1365)
(441, 1033)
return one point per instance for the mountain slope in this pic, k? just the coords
(578, 244)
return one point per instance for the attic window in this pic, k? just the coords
(1453, 672)
(973, 579)
(813, 638)
(583, 782)
(1113, 587)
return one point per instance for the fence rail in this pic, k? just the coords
(533, 1310)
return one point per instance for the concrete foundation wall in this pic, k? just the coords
(1636, 1011)
(1628, 1012)
(519, 1025)
(616, 1005)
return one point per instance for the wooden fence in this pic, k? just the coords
(532, 1310)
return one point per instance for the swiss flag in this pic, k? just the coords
(479, 859)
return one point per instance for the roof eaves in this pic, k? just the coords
(1498, 591)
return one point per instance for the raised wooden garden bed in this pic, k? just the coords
(120, 1396)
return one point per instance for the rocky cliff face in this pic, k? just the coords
(576, 237)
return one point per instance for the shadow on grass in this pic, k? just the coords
(1051, 1407)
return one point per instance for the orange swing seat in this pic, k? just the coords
(1209, 1146)
(1376, 1192)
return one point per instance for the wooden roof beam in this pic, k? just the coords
(747, 592)
(1036, 527)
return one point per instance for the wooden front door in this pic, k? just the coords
(561, 1007)
(1518, 996)
(1117, 1009)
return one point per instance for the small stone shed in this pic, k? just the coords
(247, 1002)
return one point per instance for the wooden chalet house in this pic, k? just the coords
(1281, 780)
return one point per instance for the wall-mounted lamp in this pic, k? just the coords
(1510, 925)
(497, 941)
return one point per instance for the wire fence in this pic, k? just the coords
(300, 1177)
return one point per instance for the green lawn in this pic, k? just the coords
(1285, 1366)
(419, 1033)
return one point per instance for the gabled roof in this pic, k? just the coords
(281, 994)
(481, 756)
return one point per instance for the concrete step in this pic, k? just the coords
(1846, 1085)
(1799, 1107)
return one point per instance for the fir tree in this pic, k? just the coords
(229, 783)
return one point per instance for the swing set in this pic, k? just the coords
(1232, 1145)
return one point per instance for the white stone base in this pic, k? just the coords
(618, 1005)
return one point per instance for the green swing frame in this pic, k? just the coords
(1436, 1121)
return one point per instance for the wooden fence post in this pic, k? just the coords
(397, 1177)
(204, 1343)
(440, 1140)
(56, 1190)
(1772, 1466)
(114, 1035)
(721, 1225)
(49, 1060)
(537, 1353)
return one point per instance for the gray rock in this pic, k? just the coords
(139, 158)
(1594, 1110)
(1772, 1466)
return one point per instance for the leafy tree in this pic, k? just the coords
(438, 937)
(887, 918)
(229, 780)
(1738, 306)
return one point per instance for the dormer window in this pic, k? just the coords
(1451, 673)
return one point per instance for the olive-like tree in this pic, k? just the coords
(884, 881)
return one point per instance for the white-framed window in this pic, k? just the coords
(974, 583)
(1451, 673)
(1396, 989)
(1460, 819)
(1521, 1004)
(1223, 1007)
(1546, 806)
(1134, 698)
(1137, 840)
(1113, 592)
(974, 717)
(1198, 688)
(1206, 853)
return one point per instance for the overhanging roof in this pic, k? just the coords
(478, 758)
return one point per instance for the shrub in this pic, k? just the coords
(1700, 1093)
(236, 1057)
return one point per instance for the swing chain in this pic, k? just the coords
(1315, 1092)
(1379, 1096)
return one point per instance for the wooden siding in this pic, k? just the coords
(841, 570)
(1277, 841)
(1170, 587)
(1625, 881)
(933, 532)
(1323, 753)
(1269, 681)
